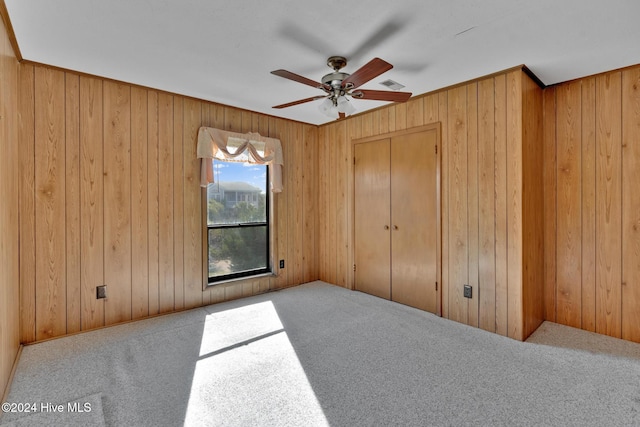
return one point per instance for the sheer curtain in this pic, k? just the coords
(239, 147)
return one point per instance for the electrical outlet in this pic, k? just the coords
(281, 263)
(468, 291)
(101, 292)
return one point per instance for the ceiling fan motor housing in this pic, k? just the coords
(334, 79)
(337, 62)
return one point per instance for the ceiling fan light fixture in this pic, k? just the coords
(344, 106)
(333, 107)
(327, 108)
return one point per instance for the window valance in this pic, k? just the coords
(239, 147)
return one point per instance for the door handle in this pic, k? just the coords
(386, 227)
(395, 227)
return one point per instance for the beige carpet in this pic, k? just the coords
(318, 355)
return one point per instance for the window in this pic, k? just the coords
(238, 221)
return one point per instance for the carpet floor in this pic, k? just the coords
(320, 355)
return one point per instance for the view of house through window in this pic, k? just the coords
(237, 221)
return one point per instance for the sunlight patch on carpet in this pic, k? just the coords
(246, 356)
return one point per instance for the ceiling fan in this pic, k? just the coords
(338, 85)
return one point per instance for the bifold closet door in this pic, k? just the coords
(372, 218)
(413, 220)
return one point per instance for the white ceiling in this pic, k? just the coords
(223, 51)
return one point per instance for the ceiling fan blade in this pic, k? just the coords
(298, 78)
(370, 70)
(300, 101)
(381, 95)
(379, 36)
(296, 33)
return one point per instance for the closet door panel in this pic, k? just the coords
(413, 220)
(372, 213)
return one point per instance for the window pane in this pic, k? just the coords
(238, 194)
(234, 250)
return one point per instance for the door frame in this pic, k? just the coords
(351, 209)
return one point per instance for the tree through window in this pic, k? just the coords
(238, 221)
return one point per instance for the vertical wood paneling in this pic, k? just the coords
(290, 196)
(72, 187)
(310, 203)
(331, 256)
(261, 124)
(341, 203)
(118, 181)
(444, 199)
(515, 218)
(458, 203)
(415, 113)
(178, 203)
(486, 207)
(299, 136)
(569, 202)
(26, 191)
(139, 205)
(165, 203)
(288, 252)
(354, 131)
(367, 122)
(550, 203)
(472, 201)
(631, 204)
(247, 122)
(400, 115)
(430, 108)
(192, 200)
(588, 204)
(604, 158)
(391, 114)
(233, 119)
(356, 127)
(608, 204)
(117, 201)
(51, 316)
(284, 232)
(380, 123)
(277, 129)
(500, 134)
(153, 202)
(296, 199)
(609, 112)
(322, 201)
(166, 126)
(532, 203)
(91, 201)
(218, 117)
(490, 152)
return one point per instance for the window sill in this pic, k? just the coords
(241, 279)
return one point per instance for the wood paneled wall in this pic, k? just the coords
(9, 307)
(532, 207)
(109, 194)
(592, 203)
(489, 153)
